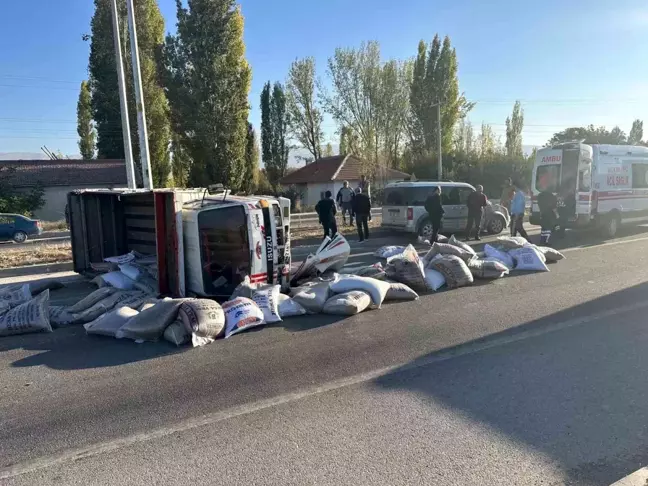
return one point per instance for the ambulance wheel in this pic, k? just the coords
(611, 225)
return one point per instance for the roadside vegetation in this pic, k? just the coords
(38, 254)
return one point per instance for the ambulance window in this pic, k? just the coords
(639, 176)
(547, 177)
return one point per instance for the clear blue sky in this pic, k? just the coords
(570, 62)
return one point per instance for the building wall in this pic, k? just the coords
(55, 201)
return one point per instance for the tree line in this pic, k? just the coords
(196, 85)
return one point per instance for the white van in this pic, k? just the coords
(597, 185)
(403, 209)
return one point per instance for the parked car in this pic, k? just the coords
(403, 209)
(18, 228)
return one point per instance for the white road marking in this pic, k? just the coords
(213, 418)
(609, 243)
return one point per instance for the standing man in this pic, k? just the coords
(476, 203)
(362, 210)
(434, 208)
(518, 207)
(345, 199)
(326, 211)
(548, 204)
(365, 185)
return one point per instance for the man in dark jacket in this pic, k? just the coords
(548, 204)
(434, 208)
(326, 211)
(362, 211)
(476, 203)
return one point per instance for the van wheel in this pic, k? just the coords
(425, 230)
(497, 225)
(611, 225)
(20, 236)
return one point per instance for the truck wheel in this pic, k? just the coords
(496, 225)
(611, 225)
(20, 236)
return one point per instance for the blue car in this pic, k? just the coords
(18, 228)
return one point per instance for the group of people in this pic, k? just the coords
(356, 203)
(513, 198)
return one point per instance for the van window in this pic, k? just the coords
(547, 177)
(639, 174)
(224, 249)
(407, 196)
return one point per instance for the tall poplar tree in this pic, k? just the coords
(85, 128)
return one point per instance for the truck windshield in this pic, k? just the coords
(224, 249)
(547, 178)
(407, 196)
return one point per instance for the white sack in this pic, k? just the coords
(118, 280)
(118, 299)
(511, 242)
(377, 289)
(407, 268)
(347, 303)
(177, 334)
(400, 291)
(529, 258)
(460, 244)
(288, 307)
(244, 289)
(131, 271)
(91, 299)
(374, 271)
(446, 249)
(203, 319)
(487, 268)
(13, 296)
(149, 325)
(454, 270)
(313, 297)
(502, 256)
(388, 251)
(267, 298)
(241, 314)
(551, 254)
(434, 279)
(31, 316)
(108, 324)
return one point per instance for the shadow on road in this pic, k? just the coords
(577, 394)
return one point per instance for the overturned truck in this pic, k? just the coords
(205, 244)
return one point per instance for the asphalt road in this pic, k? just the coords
(532, 379)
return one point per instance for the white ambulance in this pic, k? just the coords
(601, 185)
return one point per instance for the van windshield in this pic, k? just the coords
(407, 196)
(547, 178)
(224, 249)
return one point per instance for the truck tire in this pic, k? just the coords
(496, 225)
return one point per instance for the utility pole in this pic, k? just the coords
(139, 100)
(128, 149)
(440, 161)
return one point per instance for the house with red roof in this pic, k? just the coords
(329, 173)
(61, 176)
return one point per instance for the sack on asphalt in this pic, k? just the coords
(177, 334)
(13, 296)
(374, 271)
(407, 268)
(482, 268)
(203, 319)
(91, 299)
(502, 256)
(347, 303)
(511, 242)
(267, 298)
(454, 270)
(149, 325)
(244, 289)
(118, 299)
(241, 314)
(47, 284)
(551, 254)
(400, 291)
(529, 258)
(460, 244)
(446, 249)
(288, 307)
(108, 324)
(30, 316)
(388, 251)
(312, 297)
(59, 316)
(377, 289)
(434, 279)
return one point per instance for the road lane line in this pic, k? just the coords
(245, 409)
(609, 243)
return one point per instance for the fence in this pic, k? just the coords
(309, 220)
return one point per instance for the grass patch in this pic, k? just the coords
(54, 225)
(317, 231)
(39, 254)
